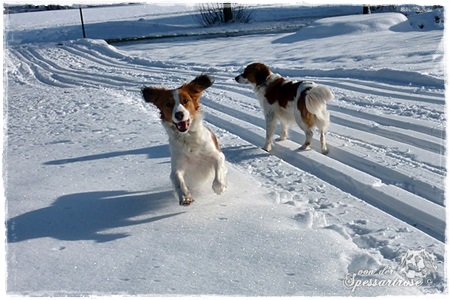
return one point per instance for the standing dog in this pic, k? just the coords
(303, 102)
(195, 152)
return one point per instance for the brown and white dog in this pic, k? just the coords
(303, 102)
(195, 152)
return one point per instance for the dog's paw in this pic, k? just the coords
(219, 187)
(267, 148)
(305, 147)
(325, 151)
(186, 200)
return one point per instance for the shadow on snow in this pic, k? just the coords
(90, 215)
(161, 151)
(83, 216)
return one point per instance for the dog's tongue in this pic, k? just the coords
(182, 126)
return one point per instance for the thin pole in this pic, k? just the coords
(82, 23)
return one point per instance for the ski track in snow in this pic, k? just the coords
(372, 151)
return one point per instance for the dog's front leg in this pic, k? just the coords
(284, 131)
(271, 124)
(220, 180)
(184, 196)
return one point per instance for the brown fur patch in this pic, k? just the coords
(307, 117)
(189, 99)
(282, 91)
(256, 73)
(216, 142)
(162, 99)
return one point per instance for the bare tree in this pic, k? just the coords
(211, 14)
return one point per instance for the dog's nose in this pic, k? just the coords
(179, 115)
(237, 78)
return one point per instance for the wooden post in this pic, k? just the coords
(82, 23)
(227, 12)
(366, 9)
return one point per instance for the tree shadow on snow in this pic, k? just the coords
(84, 216)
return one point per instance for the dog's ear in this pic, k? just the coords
(151, 94)
(262, 74)
(201, 83)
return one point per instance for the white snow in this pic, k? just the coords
(89, 203)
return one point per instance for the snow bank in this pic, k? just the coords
(431, 20)
(350, 25)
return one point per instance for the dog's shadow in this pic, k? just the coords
(238, 154)
(101, 216)
(83, 216)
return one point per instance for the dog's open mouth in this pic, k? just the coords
(182, 126)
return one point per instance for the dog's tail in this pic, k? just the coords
(316, 103)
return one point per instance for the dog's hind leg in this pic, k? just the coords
(323, 125)
(323, 142)
(308, 131)
(220, 179)
(308, 138)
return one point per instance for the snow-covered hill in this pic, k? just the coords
(90, 209)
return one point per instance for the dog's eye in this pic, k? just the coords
(169, 105)
(185, 101)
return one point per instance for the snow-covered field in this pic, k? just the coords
(90, 209)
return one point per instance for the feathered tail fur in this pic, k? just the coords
(316, 103)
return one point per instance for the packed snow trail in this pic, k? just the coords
(363, 141)
(97, 219)
(75, 111)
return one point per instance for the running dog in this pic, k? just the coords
(195, 151)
